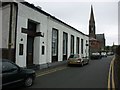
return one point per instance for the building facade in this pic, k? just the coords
(119, 23)
(30, 36)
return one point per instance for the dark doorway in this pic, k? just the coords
(65, 41)
(54, 45)
(30, 41)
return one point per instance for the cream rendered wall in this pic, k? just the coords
(119, 22)
(25, 13)
(5, 25)
(13, 25)
(86, 48)
(62, 28)
(0, 43)
(45, 26)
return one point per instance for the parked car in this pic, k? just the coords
(76, 59)
(110, 53)
(13, 75)
(103, 54)
(96, 55)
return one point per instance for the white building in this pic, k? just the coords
(35, 37)
(119, 22)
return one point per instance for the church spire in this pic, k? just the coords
(92, 15)
(92, 31)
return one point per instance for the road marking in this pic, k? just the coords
(109, 76)
(113, 81)
(50, 71)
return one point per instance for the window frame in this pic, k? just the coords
(77, 45)
(82, 45)
(72, 44)
(65, 43)
(54, 42)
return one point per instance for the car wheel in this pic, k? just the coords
(28, 82)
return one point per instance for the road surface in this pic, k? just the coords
(93, 75)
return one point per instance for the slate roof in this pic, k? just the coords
(100, 37)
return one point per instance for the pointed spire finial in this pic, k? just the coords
(92, 14)
(91, 7)
(113, 43)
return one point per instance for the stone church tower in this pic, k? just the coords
(92, 24)
(96, 41)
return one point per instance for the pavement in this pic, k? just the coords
(116, 67)
(49, 70)
(113, 83)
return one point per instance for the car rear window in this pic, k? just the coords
(6, 66)
(95, 53)
(74, 56)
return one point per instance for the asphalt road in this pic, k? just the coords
(93, 75)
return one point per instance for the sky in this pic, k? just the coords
(76, 13)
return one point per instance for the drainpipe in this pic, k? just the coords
(10, 33)
(47, 62)
(16, 5)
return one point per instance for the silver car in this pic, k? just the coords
(76, 59)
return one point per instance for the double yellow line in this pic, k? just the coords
(111, 73)
(50, 71)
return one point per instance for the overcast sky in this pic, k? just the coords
(77, 13)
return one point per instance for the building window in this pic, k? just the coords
(77, 45)
(82, 46)
(86, 43)
(65, 38)
(20, 49)
(72, 44)
(54, 42)
(43, 50)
